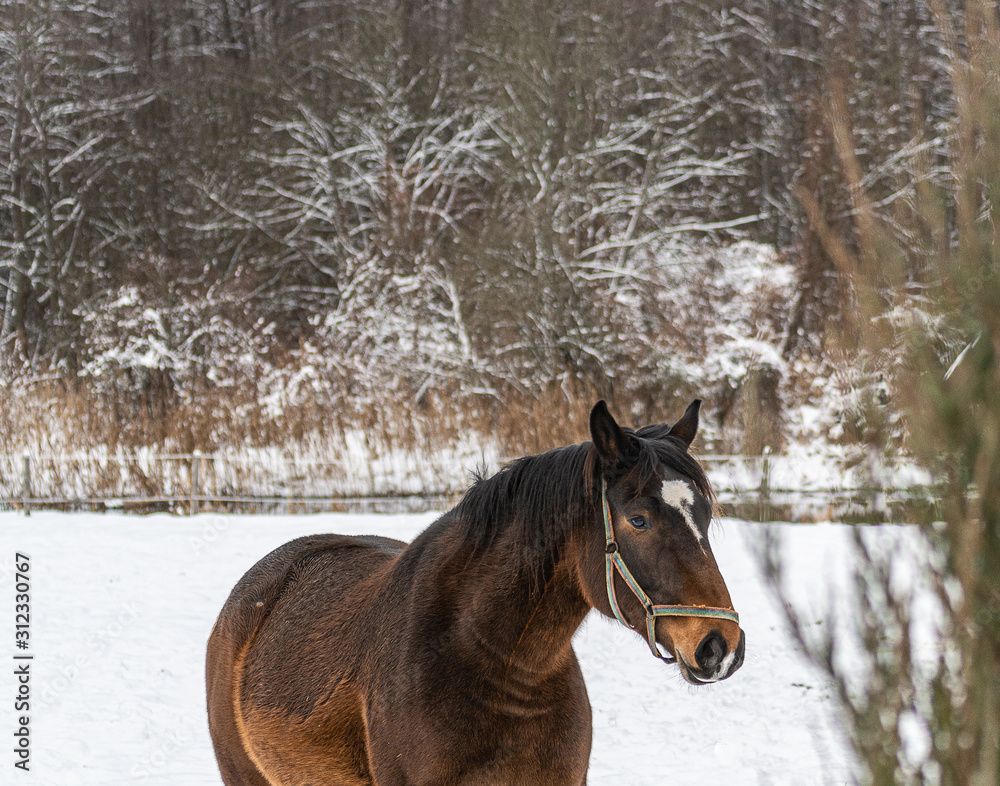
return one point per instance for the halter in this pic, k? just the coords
(613, 561)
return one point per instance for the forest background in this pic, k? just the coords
(314, 222)
(224, 221)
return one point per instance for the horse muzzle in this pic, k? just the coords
(714, 661)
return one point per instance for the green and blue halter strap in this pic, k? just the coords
(613, 561)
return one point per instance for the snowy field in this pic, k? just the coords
(122, 607)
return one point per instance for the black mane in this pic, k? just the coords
(673, 454)
(543, 496)
(546, 495)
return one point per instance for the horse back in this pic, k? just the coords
(288, 580)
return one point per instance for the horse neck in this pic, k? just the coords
(523, 610)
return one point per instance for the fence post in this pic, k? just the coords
(26, 485)
(765, 484)
(195, 482)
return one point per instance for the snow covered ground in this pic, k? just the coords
(121, 608)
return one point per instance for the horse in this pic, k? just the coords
(365, 660)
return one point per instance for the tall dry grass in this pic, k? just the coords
(52, 416)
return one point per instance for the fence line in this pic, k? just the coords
(188, 482)
(194, 482)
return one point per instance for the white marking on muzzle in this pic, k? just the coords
(723, 670)
(678, 495)
(720, 672)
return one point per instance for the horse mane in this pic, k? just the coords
(543, 496)
(673, 453)
(546, 495)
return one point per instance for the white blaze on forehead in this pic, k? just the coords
(678, 495)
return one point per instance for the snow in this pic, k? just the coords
(122, 607)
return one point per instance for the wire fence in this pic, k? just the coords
(196, 482)
(761, 487)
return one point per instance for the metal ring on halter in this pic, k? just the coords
(613, 562)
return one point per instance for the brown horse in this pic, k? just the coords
(364, 660)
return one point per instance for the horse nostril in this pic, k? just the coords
(711, 652)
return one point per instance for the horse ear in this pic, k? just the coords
(686, 428)
(616, 448)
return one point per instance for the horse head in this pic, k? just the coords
(659, 575)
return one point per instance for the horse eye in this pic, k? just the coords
(639, 522)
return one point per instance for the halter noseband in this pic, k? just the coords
(613, 561)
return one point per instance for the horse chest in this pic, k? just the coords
(478, 731)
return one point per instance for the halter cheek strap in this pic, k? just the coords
(613, 562)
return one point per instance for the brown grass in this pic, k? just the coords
(53, 416)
